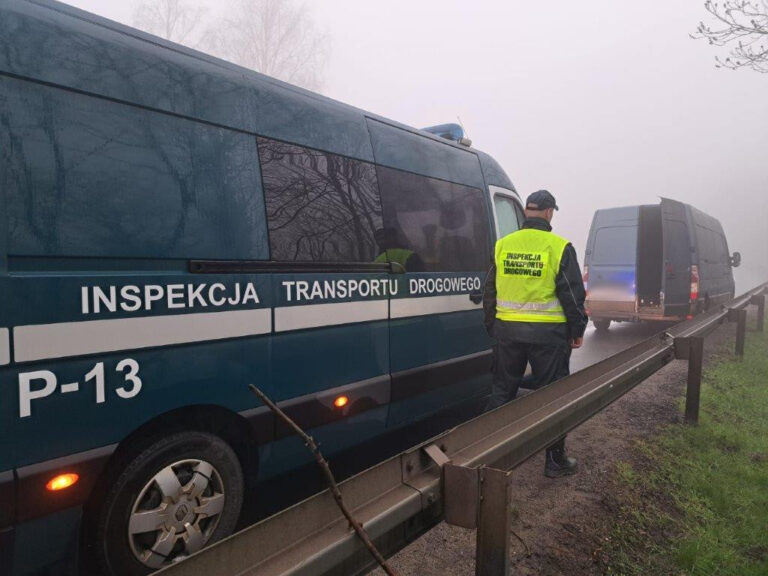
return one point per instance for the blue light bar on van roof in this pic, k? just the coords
(452, 132)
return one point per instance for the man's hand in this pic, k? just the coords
(577, 342)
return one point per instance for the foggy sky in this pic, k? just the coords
(604, 103)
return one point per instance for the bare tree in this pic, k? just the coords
(274, 37)
(743, 26)
(175, 20)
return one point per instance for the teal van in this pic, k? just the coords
(174, 228)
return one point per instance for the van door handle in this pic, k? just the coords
(476, 297)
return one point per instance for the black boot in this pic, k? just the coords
(558, 463)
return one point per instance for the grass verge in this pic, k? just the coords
(695, 501)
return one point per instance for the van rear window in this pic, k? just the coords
(320, 206)
(615, 246)
(444, 224)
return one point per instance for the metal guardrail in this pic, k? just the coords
(449, 477)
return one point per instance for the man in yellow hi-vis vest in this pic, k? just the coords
(534, 308)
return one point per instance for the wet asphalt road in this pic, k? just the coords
(598, 346)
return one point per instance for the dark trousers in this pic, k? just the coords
(549, 362)
(546, 348)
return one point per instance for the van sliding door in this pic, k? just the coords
(677, 258)
(438, 346)
(436, 221)
(330, 350)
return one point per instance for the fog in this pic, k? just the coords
(603, 103)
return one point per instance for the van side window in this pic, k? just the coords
(724, 255)
(711, 251)
(507, 215)
(320, 206)
(705, 244)
(89, 177)
(444, 224)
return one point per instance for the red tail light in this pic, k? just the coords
(694, 283)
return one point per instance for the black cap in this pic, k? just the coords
(541, 200)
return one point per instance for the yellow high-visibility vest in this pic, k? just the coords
(527, 263)
(399, 255)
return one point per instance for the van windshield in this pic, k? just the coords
(615, 246)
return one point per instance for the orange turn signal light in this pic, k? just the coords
(341, 401)
(62, 481)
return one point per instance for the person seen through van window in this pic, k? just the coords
(534, 309)
(392, 251)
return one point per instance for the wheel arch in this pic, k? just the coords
(217, 420)
(231, 427)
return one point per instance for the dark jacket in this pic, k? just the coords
(569, 288)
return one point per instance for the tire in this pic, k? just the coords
(152, 514)
(602, 325)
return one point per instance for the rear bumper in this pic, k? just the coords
(610, 308)
(636, 317)
(626, 311)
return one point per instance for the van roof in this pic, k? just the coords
(57, 44)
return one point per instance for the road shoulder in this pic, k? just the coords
(567, 526)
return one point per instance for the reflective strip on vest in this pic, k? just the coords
(527, 263)
(553, 305)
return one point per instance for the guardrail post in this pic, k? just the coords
(695, 367)
(492, 553)
(741, 331)
(461, 487)
(759, 301)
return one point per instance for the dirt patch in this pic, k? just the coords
(567, 523)
(758, 553)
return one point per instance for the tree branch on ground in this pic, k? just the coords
(330, 480)
(741, 25)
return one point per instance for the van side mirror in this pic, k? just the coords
(735, 259)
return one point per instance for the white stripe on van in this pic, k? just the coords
(405, 307)
(43, 341)
(5, 347)
(318, 315)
